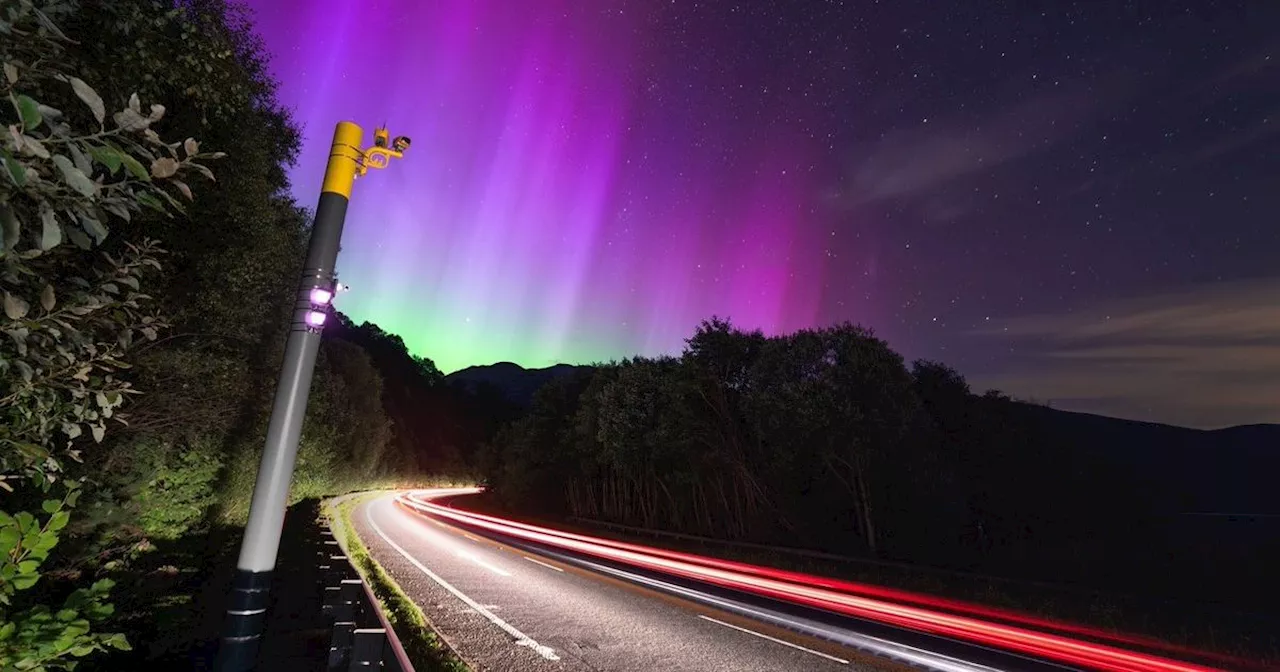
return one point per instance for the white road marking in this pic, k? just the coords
(761, 635)
(468, 555)
(539, 562)
(521, 638)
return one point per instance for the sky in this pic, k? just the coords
(1073, 202)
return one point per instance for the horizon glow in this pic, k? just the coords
(554, 207)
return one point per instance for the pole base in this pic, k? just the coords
(245, 620)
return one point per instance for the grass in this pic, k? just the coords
(426, 650)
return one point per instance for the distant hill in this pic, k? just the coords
(1227, 470)
(517, 383)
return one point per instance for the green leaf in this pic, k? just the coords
(17, 172)
(108, 157)
(47, 298)
(31, 451)
(94, 227)
(203, 170)
(25, 581)
(74, 176)
(81, 241)
(14, 307)
(9, 538)
(81, 161)
(118, 641)
(98, 431)
(28, 111)
(150, 201)
(25, 521)
(59, 520)
(50, 232)
(34, 147)
(90, 97)
(133, 165)
(50, 505)
(19, 336)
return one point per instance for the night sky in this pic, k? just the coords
(1075, 202)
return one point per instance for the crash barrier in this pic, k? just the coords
(362, 638)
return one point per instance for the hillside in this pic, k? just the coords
(517, 383)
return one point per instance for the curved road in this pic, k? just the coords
(507, 606)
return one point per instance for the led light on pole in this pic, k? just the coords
(247, 604)
(320, 299)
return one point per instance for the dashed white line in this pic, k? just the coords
(539, 562)
(521, 638)
(761, 635)
(468, 555)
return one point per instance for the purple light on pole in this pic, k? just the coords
(321, 296)
(315, 318)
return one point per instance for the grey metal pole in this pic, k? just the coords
(247, 610)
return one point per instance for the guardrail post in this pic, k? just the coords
(366, 649)
(340, 645)
(330, 600)
(349, 593)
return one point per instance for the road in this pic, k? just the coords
(502, 605)
(507, 595)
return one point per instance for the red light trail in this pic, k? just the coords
(912, 611)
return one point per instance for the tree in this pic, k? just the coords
(71, 314)
(834, 404)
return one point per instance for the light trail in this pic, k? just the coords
(898, 608)
(879, 592)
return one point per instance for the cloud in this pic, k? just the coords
(936, 152)
(1203, 357)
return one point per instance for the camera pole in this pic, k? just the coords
(247, 609)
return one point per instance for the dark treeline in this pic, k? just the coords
(826, 439)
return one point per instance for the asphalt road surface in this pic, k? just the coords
(503, 606)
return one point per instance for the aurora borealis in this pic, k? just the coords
(525, 224)
(589, 180)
